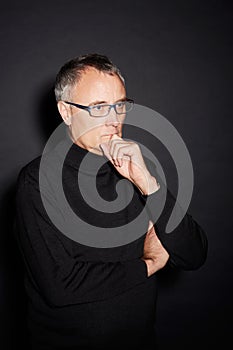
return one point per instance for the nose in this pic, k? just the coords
(112, 118)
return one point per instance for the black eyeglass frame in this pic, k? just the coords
(89, 108)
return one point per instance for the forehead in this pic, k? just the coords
(95, 85)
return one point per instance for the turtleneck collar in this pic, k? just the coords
(80, 158)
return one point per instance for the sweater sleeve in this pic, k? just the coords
(59, 277)
(187, 244)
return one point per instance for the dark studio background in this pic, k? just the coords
(177, 58)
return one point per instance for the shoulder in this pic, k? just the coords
(29, 172)
(44, 166)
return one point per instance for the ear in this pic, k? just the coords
(64, 111)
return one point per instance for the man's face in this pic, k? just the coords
(94, 88)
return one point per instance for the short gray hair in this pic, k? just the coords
(71, 72)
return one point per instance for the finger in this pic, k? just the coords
(128, 152)
(115, 138)
(114, 145)
(120, 151)
(105, 150)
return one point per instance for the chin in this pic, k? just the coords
(95, 149)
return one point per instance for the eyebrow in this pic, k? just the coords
(105, 102)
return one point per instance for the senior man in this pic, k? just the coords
(81, 296)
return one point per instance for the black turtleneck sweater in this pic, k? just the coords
(88, 297)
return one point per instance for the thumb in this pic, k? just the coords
(105, 149)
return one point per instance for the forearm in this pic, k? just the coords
(149, 185)
(187, 243)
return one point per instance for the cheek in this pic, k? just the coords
(93, 132)
(84, 124)
(94, 128)
(98, 131)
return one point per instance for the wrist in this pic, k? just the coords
(151, 186)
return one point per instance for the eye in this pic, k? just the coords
(120, 104)
(97, 108)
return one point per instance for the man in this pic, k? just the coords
(92, 297)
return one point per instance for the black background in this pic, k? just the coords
(177, 59)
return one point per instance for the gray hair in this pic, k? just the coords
(70, 73)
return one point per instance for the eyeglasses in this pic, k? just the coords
(103, 110)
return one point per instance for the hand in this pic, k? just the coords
(127, 158)
(154, 254)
